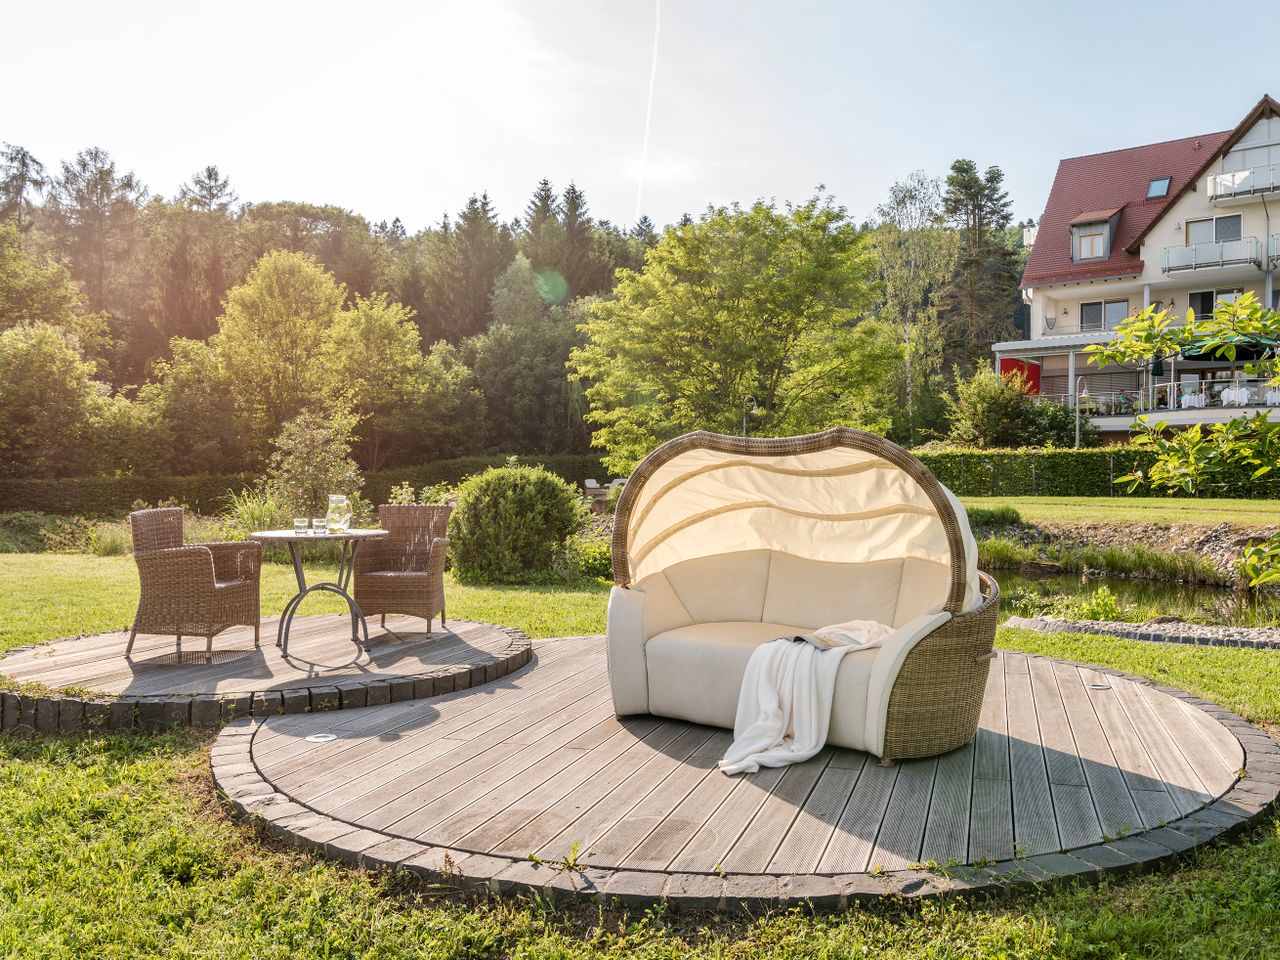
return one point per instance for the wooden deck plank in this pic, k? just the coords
(1204, 757)
(391, 792)
(668, 803)
(855, 834)
(1184, 784)
(1117, 813)
(946, 834)
(392, 728)
(1035, 829)
(763, 836)
(583, 832)
(992, 744)
(558, 771)
(991, 820)
(902, 832)
(525, 826)
(805, 842)
(724, 825)
(1061, 759)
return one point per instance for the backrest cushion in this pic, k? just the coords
(663, 610)
(728, 586)
(815, 593)
(924, 589)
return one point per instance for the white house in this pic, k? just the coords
(1180, 224)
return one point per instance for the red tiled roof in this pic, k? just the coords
(1095, 216)
(1114, 180)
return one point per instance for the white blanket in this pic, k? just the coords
(784, 707)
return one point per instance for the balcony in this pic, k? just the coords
(1275, 249)
(1203, 256)
(1243, 184)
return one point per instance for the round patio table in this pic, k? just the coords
(350, 540)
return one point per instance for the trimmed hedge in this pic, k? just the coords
(115, 496)
(969, 473)
(1068, 473)
(571, 467)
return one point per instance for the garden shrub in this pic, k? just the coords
(512, 524)
(23, 531)
(312, 459)
(595, 557)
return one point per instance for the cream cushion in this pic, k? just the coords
(813, 593)
(694, 673)
(726, 587)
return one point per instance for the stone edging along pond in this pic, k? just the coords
(1193, 634)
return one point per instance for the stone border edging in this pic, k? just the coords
(56, 713)
(1249, 799)
(1249, 638)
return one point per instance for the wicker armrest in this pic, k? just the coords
(186, 570)
(371, 556)
(236, 560)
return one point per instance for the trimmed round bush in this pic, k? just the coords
(512, 524)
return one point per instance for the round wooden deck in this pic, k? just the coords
(325, 669)
(532, 782)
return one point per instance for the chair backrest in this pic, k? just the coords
(411, 530)
(158, 529)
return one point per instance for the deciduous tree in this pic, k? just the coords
(715, 327)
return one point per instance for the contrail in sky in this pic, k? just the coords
(648, 113)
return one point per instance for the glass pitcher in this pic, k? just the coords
(338, 519)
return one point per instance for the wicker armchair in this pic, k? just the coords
(197, 589)
(404, 572)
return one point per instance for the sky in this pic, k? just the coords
(407, 109)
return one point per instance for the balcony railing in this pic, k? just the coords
(1239, 394)
(1274, 243)
(1244, 183)
(1221, 253)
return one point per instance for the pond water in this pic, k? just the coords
(1070, 595)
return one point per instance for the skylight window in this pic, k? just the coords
(1159, 187)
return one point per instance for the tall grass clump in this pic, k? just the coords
(994, 517)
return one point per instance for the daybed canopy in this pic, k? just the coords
(842, 496)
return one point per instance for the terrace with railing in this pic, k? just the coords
(1249, 182)
(1239, 394)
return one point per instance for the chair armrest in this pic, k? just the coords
(187, 569)
(628, 674)
(371, 555)
(236, 560)
(884, 672)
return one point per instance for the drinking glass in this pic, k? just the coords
(299, 525)
(318, 526)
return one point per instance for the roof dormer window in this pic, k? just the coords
(1158, 187)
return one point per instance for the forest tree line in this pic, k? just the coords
(152, 334)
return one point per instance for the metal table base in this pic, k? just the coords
(346, 564)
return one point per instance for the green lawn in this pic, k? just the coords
(1136, 509)
(116, 847)
(44, 596)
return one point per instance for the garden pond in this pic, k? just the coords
(1073, 597)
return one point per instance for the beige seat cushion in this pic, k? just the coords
(729, 586)
(814, 594)
(924, 589)
(695, 674)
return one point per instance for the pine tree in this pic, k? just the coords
(209, 191)
(20, 175)
(541, 233)
(645, 232)
(479, 249)
(976, 307)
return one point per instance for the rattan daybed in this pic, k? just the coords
(722, 543)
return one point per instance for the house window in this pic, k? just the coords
(1102, 315)
(1213, 229)
(1159, 187)
(1091, 242)
(1204, 301)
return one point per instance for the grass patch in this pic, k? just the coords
(1134, 509)
(993, 516)
(1137, 560)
